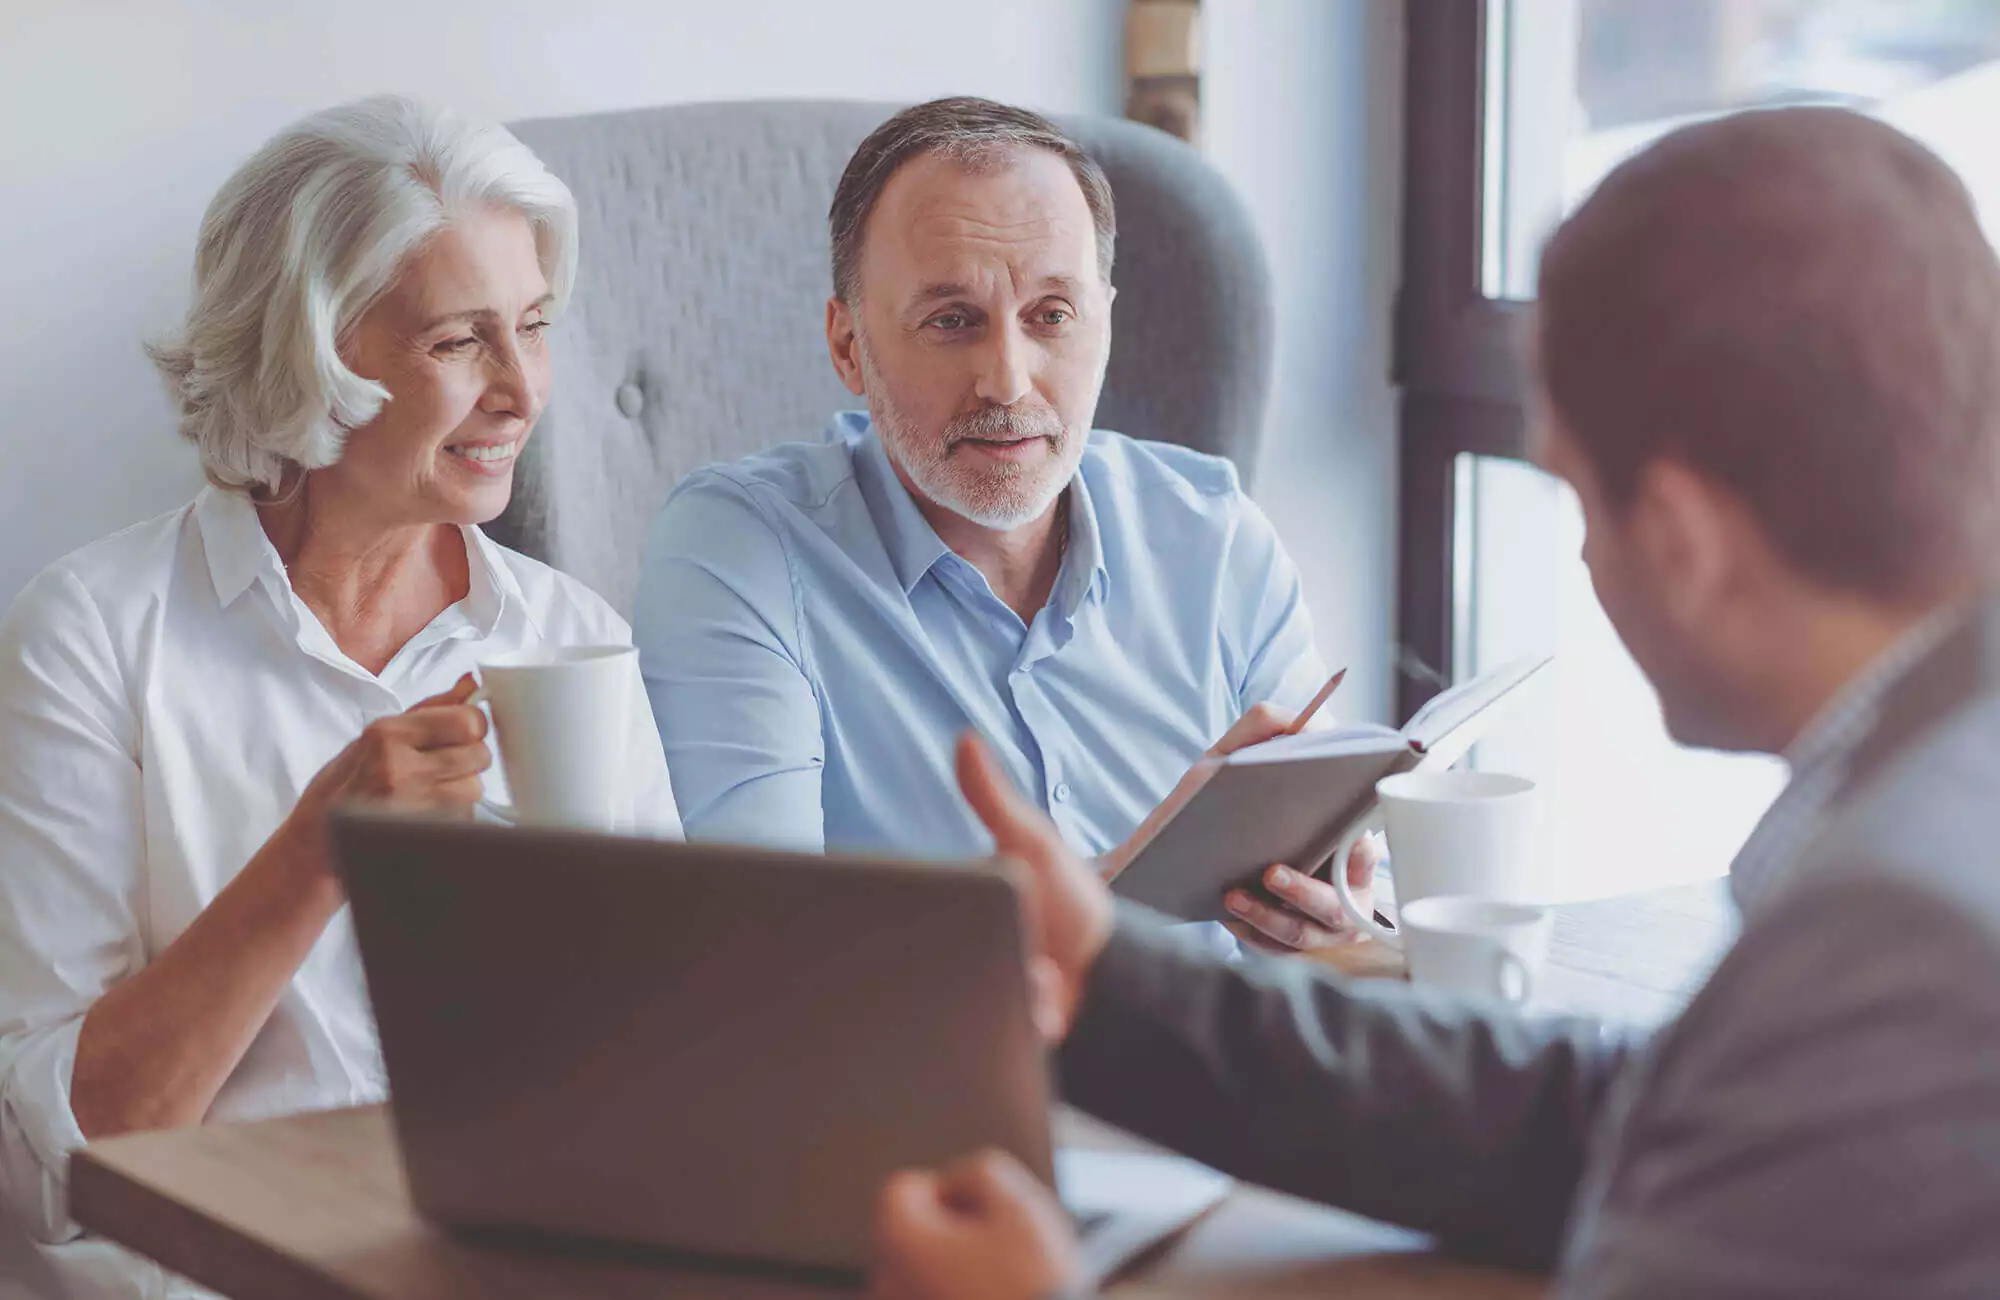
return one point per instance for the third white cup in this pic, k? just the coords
(1476, 946)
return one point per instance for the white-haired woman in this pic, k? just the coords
(183, 702)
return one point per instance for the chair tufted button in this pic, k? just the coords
(631, 401)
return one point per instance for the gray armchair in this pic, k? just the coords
(696, 333)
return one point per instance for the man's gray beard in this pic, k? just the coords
(999, 496)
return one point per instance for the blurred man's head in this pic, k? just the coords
(972, 251)
(1767, 355)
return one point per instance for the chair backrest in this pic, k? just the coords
(697, 335)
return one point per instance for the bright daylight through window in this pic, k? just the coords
(1572, 88)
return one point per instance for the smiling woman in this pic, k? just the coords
(183, 703)
(309, 235)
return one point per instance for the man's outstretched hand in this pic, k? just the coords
(1066, 905)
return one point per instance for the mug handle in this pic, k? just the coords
(1513, 977)
(505, 812)
(1348, 903)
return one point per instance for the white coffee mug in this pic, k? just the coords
(1477, 946)
(562, 718)
(1450, 832)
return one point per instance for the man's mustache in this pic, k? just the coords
(1004, 424)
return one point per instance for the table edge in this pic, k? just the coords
(128, 1211)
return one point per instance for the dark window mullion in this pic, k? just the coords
(1456, 350)
(1436, 430)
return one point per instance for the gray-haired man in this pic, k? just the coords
(818, 622)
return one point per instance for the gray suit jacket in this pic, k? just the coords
(1824, 1119)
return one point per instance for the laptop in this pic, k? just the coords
(712, 1050)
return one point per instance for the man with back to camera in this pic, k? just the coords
(818, 622)
(1765, 361)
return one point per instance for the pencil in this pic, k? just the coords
(1325, 694)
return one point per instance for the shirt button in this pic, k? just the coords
(1062, 792)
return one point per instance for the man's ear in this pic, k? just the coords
(1690, 533)
(842, 344)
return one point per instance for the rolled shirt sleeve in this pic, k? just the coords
(37, 1128)
(71, 847)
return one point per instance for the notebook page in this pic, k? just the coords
(1354, 738)
(1449, 711)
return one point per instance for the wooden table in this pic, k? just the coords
(315, 1208)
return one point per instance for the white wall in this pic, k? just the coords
(125, 115)
(1303, 111)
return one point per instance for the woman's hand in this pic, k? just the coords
(156, 1049)
(428, 757)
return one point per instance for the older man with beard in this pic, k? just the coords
(817, 623)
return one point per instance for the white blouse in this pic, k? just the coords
(164, 699)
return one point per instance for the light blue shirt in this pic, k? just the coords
(813, 649)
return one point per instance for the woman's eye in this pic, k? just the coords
(534, 329)
(452, 347)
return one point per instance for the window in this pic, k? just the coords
(1516, 109)
(1628, 808)
(1573, 87)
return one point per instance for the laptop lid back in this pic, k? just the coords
(718, 1050)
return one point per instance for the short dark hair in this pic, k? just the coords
(972, 131)
(1800, 305)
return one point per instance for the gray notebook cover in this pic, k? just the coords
(1297, 810)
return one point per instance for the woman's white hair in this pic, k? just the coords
(300, 242)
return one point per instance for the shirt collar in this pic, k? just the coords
(1085, 575)
(233, 538)
(492, 584)
(1820, 759)
(914, 547)
(240, 553)
(1855, 709)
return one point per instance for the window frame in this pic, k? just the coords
(1456, 350)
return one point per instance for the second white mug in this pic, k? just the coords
(1451, 832)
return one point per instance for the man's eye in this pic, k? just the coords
(950, 320)
(1055, 316)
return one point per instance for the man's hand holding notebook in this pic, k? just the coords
(1263, 722)
(1268, 794)
(1291, 912)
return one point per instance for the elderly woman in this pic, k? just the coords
(182, 703)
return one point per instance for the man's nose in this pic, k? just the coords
(1004, 374)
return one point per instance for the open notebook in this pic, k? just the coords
(1292, 798)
